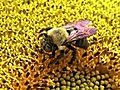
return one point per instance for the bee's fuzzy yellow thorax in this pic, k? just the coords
(58, 35)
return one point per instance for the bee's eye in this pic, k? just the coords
(48, 47)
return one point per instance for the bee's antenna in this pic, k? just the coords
(44, 29)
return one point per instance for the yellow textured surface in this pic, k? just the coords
(20, 20)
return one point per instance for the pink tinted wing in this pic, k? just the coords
(79, 34)
(81, 24)
(91, 31)
(86, 33)
(81, 30)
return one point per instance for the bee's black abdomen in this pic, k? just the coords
(82, 43)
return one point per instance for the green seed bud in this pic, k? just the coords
(106, 82)
(96, 87)
(63, 87)
(77, 88)
(87, 76)
(78, 73)
(98, 77)
(102, 82)
(73, 88)
(76, 76)
(111, 80)
(82, 86)
(57, 84)
(58, 75)
(108, 86)
(72, 79)
(67, 87)
(102, 76)
(78, 82)
(73, 84)
(88, 81)
(82, 72)
(68, 83)
(57, 89)
(47, 88)
(87, 71)
(92, 73)
(83, 80)
(86, 88)
(81, 76)
(68, 68)
(67, 77)
(63, 82)
(102, 87)
(56, 79)
(52, 89)
(93, 79)
(97, 83)
(91, 84)
(82, 89)
(106, 76)
(61, 79)
(90, 88)
(85, 84)
(97, 72)
(64, 75)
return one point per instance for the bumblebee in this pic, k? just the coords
(69, 36)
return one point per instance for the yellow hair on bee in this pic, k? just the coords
(58, 35)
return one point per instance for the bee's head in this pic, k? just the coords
(48, 45)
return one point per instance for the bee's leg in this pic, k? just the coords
(79, 54)
(62, 62)
(41, 51)
(52, 55)
(54, 48)
(43, 55)
(73, 53)
(56, 60)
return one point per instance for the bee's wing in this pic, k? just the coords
(81, 33)
(82, 30)
(78, 24)
(86, 32)
(82, 23)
